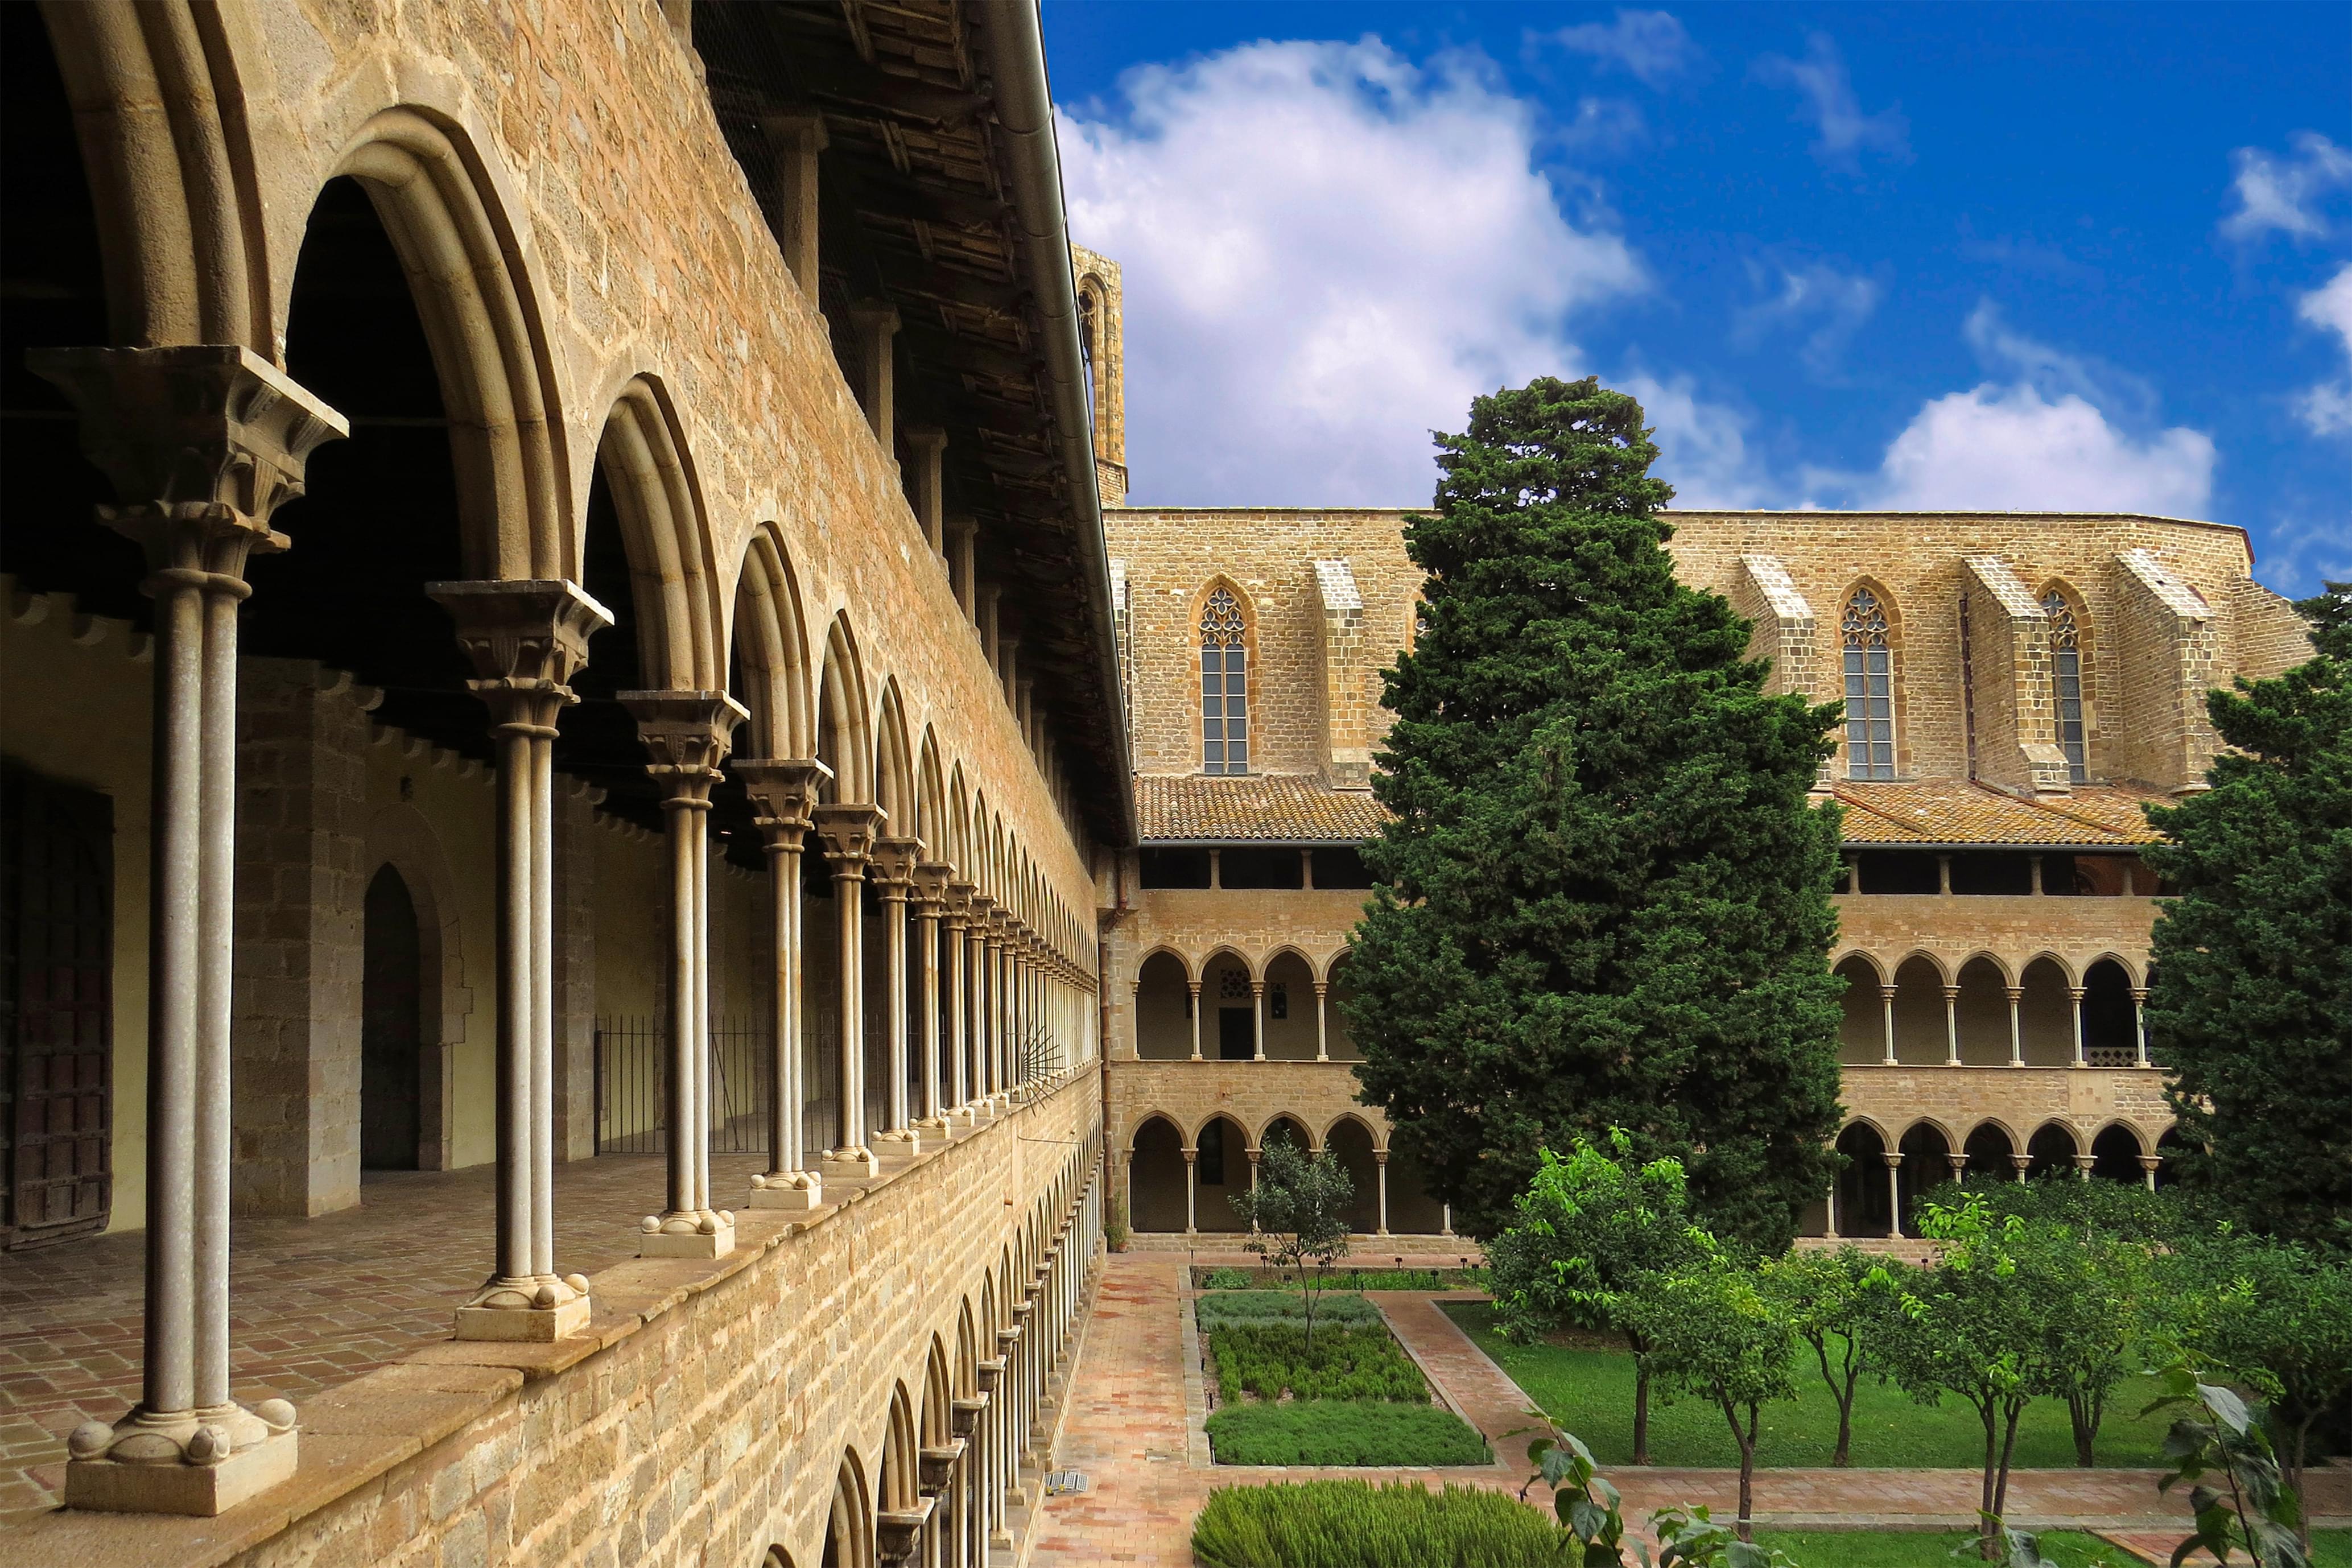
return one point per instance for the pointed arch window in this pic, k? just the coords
(1869, 687)
(1224, 687)
(2066, 677)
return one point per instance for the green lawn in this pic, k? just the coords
(1589, 1392)
(1928, 1549)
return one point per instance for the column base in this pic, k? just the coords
(967, 1114)
(899, 1141)
(183, 1466)
(856, 1163)
(710, 1234)
(797, 1190)
(933, 1126)
(526, 1312)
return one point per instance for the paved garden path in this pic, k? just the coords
(1125, 1427)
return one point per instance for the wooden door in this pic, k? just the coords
(57, 1014)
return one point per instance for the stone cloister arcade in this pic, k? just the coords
(1184, 1180)
(1231, 1006)
(1885, 1173)
(1985, 1009)
(584, 450)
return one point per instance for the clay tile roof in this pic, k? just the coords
(1959, 811)
(1261, 808)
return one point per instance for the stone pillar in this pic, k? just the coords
(1445, 1219)
(930, 903)
(785, 794)
(962, 537)
(687, 734)
(1960, 1165)
(794, 142)
(1829, 1231)
(2139, 1025)
(894, 863)
(2075, 1004)
(2020, 1163)
(2147, 1164)
(966, 1419)
(1894, 1194)
(990, 1473)
(876, 323)
(1011, 1419)
(1254, 1153)
(2016, 1027)
(1380, 1175)
(847, 833)
(959, 919)
(202, 444)
(1951, 1026)
(1322, 1020)
(1193, 987)
(1886, 1001)
(928, 445)
(2083, 1164)
(575, 973)
(1191, 1191)
(526, 640)
(1257, 1020)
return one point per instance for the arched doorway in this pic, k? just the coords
(2052, 1149)
(1862, 1022)
(1155, 1177)
(1163, 1010)
(2045, 1016)
(1865, 1206)
(2110, 1023)
(392, 1026)
(1351, 1145)
(1981, 1012)
(1927, 1165)
(1291, 1010)
(2115, 1155)
(1989, 1149)
(1220, 1169)
(1920, 1036)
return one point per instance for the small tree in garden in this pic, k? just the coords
(2278, 1319)
(1972, 1324)
(1833, 1303)
(2251, 1004)
(2094, 1289)
(1298, 1213)
(1715, 1332)
(1587, 1228)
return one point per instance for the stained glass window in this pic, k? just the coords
(1224, 687)
(2066, 676)
(1869, 688)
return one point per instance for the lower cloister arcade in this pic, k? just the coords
(1878, 1182)
(1227, 1005)
(1180, 1183)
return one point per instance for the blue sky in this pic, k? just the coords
(2075, 258)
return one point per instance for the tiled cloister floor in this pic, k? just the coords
(1126, 1429)
(313, 1302)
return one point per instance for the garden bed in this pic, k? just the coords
(1585, 1383)
(1228, 1277)
(1354, 1525)
(1352, 1396)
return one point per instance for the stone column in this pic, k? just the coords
(794, 142)
(991, 1470)
(1257, 1020)
(1380, 1175)
(785, 794)
(525, 640)
(2139, 1025)
(1000, 979)
(1829, 1231)
(1894, 1194)
(1322, 1020)
(1253, 1153)
(894, 863)
(203, 443)
(1951, 1026)
(1886, 1001)
(959, 919)
(2021, 1164)
(687, 734)
(927, 445)
(966, 1419)
(1445, 1219)
(1191, 1191)
(2147, 1164)
(1193, 987)
(876, 323)
(931, 902)
(2016, 1027)
(2075, 1004)
(2083, 1164)
(1012, 1417)
(1960, 1165)
(963, 534)
(847, 833)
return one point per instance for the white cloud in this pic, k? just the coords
(1650, 45)
(1328, 250)
(1829, 102)
(2286, 193)
(1702, 448)
(2327, 407)
(1827, 305)
(2060, 434)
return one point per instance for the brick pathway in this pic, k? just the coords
(314, 1302)
(1125, 1427)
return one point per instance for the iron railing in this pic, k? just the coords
(633, 1084)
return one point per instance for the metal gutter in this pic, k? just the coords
(1024, 113)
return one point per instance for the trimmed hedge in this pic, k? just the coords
(1352, 1524)
(1343, 1432)
(1261, 1306)
(1271, 1359)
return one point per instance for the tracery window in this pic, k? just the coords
(1869, 687)
(1224, 687)
(2066, 676)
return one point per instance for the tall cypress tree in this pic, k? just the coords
(2252, 1005)
(1606, 898)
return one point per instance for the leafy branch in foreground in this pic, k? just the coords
(2217, 1436)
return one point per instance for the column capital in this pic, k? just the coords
(875, 316)
(932, 879)
(785, 791)
(847, 834)
(893, 861)
(688, 734)
(527, 637)
(922, 439)
(203, 442)
(959, 895)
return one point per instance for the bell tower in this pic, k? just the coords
(1099, 330)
